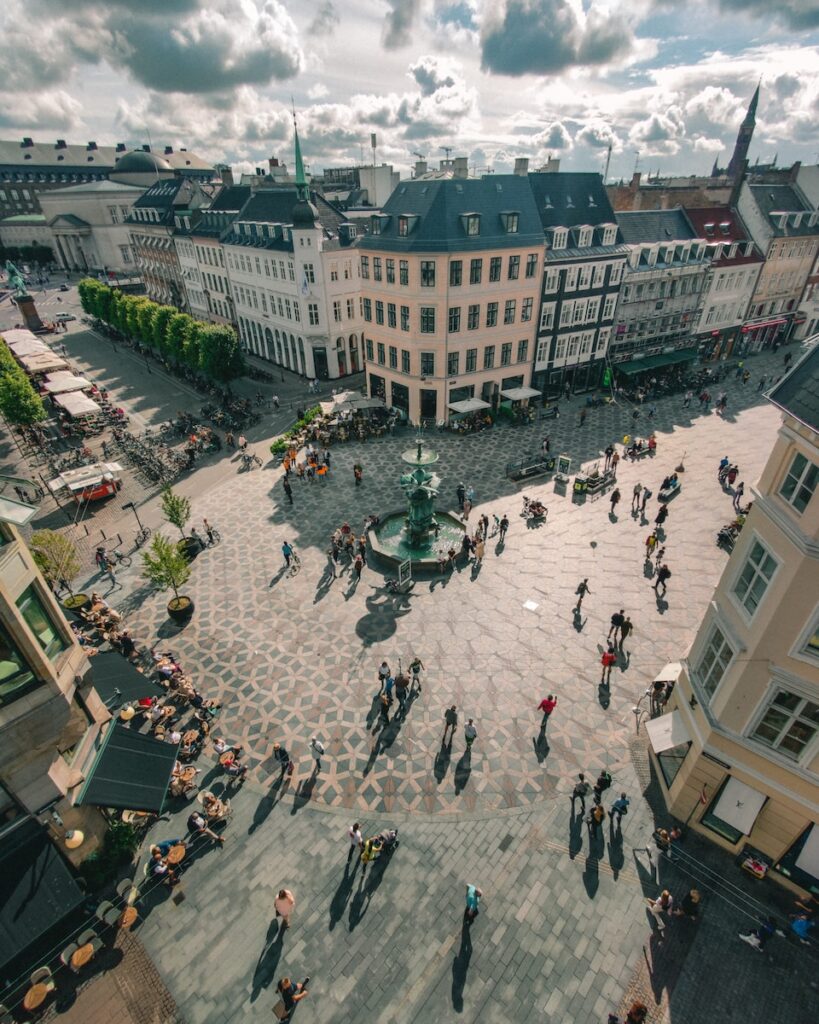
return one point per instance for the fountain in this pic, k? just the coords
(419, 533)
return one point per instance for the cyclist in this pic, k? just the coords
(209, 532)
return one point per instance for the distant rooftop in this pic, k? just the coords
(798, 393)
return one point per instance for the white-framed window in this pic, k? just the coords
(788, 724)
(592, 310)
(547, 317)
(337, 310)
(713, 662)
(559, 238)
(585, 276)
(799, 483)
(584, 237)
(608, 308)
(599, 275)
(560, 348)
(313, 313)
(551, 282)
(806, 647)
(571, 279)
(603, 336)
(755, 576)
(566, 313)
(609, 234)
(616, 273)
(542, 351)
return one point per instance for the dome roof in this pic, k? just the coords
(140, 162)
(304, 215)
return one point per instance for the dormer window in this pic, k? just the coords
(378, 222)
(547, 202)
(569, 203)
(471, 223)
(709, 230)
(725, 227)
(510, 221)
(403, 226)
(559, 238)
(584, 236)
(609, 234)
(797, 219)
(592, 203)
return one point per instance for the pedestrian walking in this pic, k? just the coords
(687, 399)
(547, 706)
(416, 666)
(285, 764)
(450, 722)
(284, 905)
(597, 815)
(689, 905)
(625, 629)
(317, 749)
(662, 515)
(580, 792)
(354, 840)
(619, 807)
(615, 458)
(209, 532)
(546, 447)
(291, 993)
(787, 359)
(480, 550)
(617, 621)
(659, 557)
(759, 936)
(384, 674)
(288, 490)
(358, 474)
(733, 472)
(651, 544)
(287, 552)
(740, 490)
(635, 497)
(504, 526)
(662, 905)
(470, 734)
(401, 690)
(761, 383)
(614, 499)
(608, 661)
(582, 417)
(609, 452)
(652, 409)
(646, 496)
(388, 687)
(473, 901)
(358, 565)
(466, 508)
(663, 576)
(460, 492)
(582, 590)
(385, 708)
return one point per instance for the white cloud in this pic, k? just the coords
(318, 91)
(52, 111)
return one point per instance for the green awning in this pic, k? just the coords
(132, 771)
(632, 366)
(117, 681)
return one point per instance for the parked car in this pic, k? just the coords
(65, 288)
(64, 317)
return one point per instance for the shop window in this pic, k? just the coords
(671, 760)
(34, 612)
(715, 823)
(801, 862)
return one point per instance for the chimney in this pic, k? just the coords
(521, 166)
(794, 170)
(420, 168)
(60, 144)
(460, 167)
(146, 148)
(26, 143)
(272, 162)
(226, 174)
(91, 145)
(121, 147)
(168, 149)
(635, 181)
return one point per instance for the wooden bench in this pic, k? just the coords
(667, 495)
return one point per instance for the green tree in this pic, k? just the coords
(176, 508)
(55, 556)
(164, 565)
(221, 357)
(176, 334)
(191, 347)
(19, 402)
(162, 314)
(145, 320)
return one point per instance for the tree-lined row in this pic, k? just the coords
(19, 402)
(212, 349)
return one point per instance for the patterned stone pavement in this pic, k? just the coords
(296, 656)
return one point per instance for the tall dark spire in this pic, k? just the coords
(301, 179)
(736, 167)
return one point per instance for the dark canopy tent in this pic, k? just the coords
(632, 366)
(132, 771)
(37, 889)
(111, 672)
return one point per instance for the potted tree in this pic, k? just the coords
(56, 558)
(165, 566)
(177, 511)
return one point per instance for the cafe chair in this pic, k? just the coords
(42, 976)
(128, 891)
(89, 935)
(5, 1015)
(67, 953)
(107, 913)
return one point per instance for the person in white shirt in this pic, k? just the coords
(355, 839)
(317, 747)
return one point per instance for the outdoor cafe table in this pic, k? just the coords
(35, 996)
(191, 736)
(176, 854)
(129, 916)
(81, 956)
(227, 758)
(187, 774)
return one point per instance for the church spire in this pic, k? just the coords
(301, 180)
(736, 168)
(750, 117)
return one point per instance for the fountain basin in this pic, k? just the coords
(390, 544)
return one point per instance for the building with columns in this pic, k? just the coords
(293, 275)
(737, 749)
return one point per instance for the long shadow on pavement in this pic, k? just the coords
(460, 967)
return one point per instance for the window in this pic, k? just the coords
(369, 342)
(509, 311)
(427, 273)
(125, 253)
(368, 310)
(405, 361)
(713, 662)
(599, 275)
(523, 350)
(571, 279)
(788, 724)
(16, 678)
(403, 226)
(34, 612)
(309, 271)
(526, 310)
(755, 576)
(380, 350)
(427, 364)
(427, 320)
(531, 264)
(350, 309)
(506, 353)
(491, 314)
(393, 357)
(800, 483)
(333, 270)
(454, 319)
(365, 267)
(475, 271)
(547, 317)
(405, 318)
(473, 223)
(585, 276)
(391, 321)
(471, 360)
(390, 271)
(552, 279)
(510, 222)
(473, 318)
(337, 311)
(489, 357)
(455, 273)
(514, 268)
(616, 274)
(452, 361)
(495, 268)
(379, 311)
(403, 272)
(608, 308)
(559, 238)
(377, 276)
(313, 313)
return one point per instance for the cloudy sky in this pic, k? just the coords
(667, 83)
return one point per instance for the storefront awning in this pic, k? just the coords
(633, 366)
(37, 889)
(468, 405)
(28, 346)
(739, 805)
(667, 731)
(765, 323)
(14, 335)
(518, 394)
(64, 382)
(808, 859)
(132, 771)
(43, 362)
(117, 681)
(669, 673)
(77, 404)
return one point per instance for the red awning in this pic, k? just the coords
(767, 323)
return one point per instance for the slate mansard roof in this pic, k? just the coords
(649, 226)
(798, 393)
(268, 207)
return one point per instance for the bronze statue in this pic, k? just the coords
(15, 278)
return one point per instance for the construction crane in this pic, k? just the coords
(447, 150)
(420, 156)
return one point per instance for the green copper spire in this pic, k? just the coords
(301, 180)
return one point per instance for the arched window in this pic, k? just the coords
(294, 365)
(301, 357)
(268, 342)
(353, 343)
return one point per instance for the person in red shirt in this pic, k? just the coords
(547, 706)
(608, 661)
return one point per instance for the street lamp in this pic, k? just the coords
(143, 532)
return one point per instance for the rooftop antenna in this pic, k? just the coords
(608, 161)
(447, 150)
(151, 147)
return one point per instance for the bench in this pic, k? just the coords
(667, 495)
(534, 466)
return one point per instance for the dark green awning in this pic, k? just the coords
(37, 889)
(632, 366)
(132, 771)
(110, 672)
